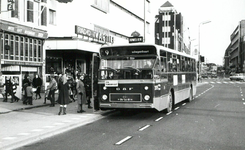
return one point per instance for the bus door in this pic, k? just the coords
(94, 80)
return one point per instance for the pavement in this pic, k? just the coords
(25, 124)
(21, 126)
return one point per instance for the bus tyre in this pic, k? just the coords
(170, 102)
(190, 95)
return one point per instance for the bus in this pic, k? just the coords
(144, 76)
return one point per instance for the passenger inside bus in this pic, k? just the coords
(148, 64)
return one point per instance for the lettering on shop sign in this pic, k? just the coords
(94, 35)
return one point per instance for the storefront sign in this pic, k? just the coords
(22, 63)
(23, 31)
(105, 38)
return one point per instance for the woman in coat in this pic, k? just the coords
(63, 98)
(37, 83)
(81, 94)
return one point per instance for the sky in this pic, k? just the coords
(224, 15)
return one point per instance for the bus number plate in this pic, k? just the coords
(125, 98)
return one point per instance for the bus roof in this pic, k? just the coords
(159, 47)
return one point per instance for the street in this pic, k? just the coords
(213, 120)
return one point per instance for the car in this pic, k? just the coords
(238, 77)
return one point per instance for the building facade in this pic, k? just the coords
(85, 26)
(170, 29)
(235, 53)
(23, 30)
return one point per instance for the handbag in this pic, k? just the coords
(34, 90)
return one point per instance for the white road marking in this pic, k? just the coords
(48, 126)
(143, 128)
(183, 104)
(169, 113)
(123, 140)
(9, 138)
(36, 130)
(159, 119)
(23, 134)
(176, 108)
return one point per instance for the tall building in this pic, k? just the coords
(169, 29)
(235, 52)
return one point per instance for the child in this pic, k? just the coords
(29, 93)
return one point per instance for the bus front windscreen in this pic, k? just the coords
(127, 67)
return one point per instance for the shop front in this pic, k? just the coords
(21, 53)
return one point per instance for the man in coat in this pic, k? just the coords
(81, 94)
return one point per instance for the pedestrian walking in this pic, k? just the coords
(52, 88)
(63, 98)
(81, 95)
(29, 94)
(37, 83)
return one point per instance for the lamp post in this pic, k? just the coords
(199, 37)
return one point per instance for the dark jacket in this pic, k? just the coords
(37, 82)
(63, 98)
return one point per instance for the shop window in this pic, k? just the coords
(102, 5)
(6, 44)
(52, 17)
(29, 11)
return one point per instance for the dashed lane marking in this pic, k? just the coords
(159, 119)
(145, 127)
(169, 113)
(9, 138)
(24, 133)
(176, 108)
(123, 140)
(36, 130)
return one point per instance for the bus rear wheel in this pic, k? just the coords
(170, 102)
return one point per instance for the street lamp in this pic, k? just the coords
(199, 35)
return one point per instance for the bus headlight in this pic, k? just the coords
(104, 97)
(104, 88)
(146, 88)
(147, 97)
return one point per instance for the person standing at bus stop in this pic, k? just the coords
(63, 98)
(81, 94)
(52, 87)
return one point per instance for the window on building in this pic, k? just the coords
(21, 48)
(44, 15)
(31, 50)
(102, 5)
(17, 42)
(15, 12)
(26, 49)
(35, 50)
(52, 17)
(166, 40)
(12, 47)
(30, 11)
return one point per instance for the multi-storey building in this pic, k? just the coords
(23, 30)
(170, 29)
(235, 52)
(82, 27)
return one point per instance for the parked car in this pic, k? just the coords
(238, 77)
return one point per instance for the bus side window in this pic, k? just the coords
(163, 63)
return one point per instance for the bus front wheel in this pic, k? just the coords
(170, 102)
